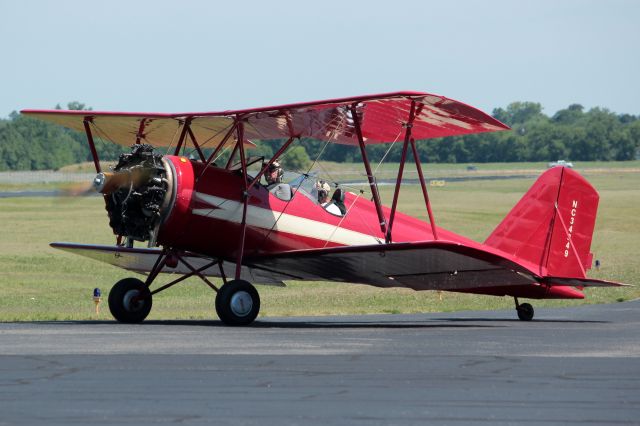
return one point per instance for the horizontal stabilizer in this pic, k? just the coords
(581, 282)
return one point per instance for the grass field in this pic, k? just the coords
(39, 283)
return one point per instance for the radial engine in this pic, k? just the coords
(138, 193)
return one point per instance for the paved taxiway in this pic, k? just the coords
(570, 366)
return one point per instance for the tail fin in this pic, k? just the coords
(551, 226)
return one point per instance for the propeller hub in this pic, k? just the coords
(100, 182)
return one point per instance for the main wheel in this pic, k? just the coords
(130, 301)
(525, 312)
(237, 303)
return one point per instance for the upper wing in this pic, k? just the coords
(160, 130)
(429, 265)
(382, 119)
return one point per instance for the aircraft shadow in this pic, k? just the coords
(514, 320)
(361, 325)
(341, 324)
(276, 324)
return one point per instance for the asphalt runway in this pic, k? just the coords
(569, 366)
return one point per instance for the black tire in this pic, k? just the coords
(237, 303)
(525, 312)
(130, 301)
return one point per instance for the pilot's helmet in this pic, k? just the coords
(275, 166)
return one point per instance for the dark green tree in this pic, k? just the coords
(519, 112)
(296, 158)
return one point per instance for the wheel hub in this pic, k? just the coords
(241, 303)
(132, 301)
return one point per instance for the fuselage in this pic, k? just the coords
(207, 214)
(207, 210)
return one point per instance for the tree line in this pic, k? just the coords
(30, 144)
(571, 133)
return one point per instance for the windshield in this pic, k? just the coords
(305, 184)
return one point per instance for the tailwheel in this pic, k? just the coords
(130, 301)
(237, 303)
(525, 311)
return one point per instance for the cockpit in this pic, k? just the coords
(312, 187)
(285, 185)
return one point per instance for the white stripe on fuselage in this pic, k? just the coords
(258, 217)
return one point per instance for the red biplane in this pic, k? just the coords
(200, 218)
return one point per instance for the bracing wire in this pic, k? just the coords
(215, 135)
(342, 220)
(388, 151)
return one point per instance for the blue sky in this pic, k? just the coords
(175, 56)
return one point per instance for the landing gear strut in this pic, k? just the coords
(524, 310)
(130, 300)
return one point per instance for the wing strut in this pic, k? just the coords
(183, 135)
(403, 159)
(245, 196)
(425, 194)
(186, 131)
(96, 161)
(233, 153)
(367, 166)
(140, 134)
(218, 148)
(195, 144)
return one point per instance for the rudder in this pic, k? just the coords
(552, 224)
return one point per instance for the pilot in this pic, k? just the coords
(323, 198)
(273, 176)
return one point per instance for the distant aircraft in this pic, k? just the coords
(200, 218)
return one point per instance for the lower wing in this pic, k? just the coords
(430, 265)
(141, 260)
